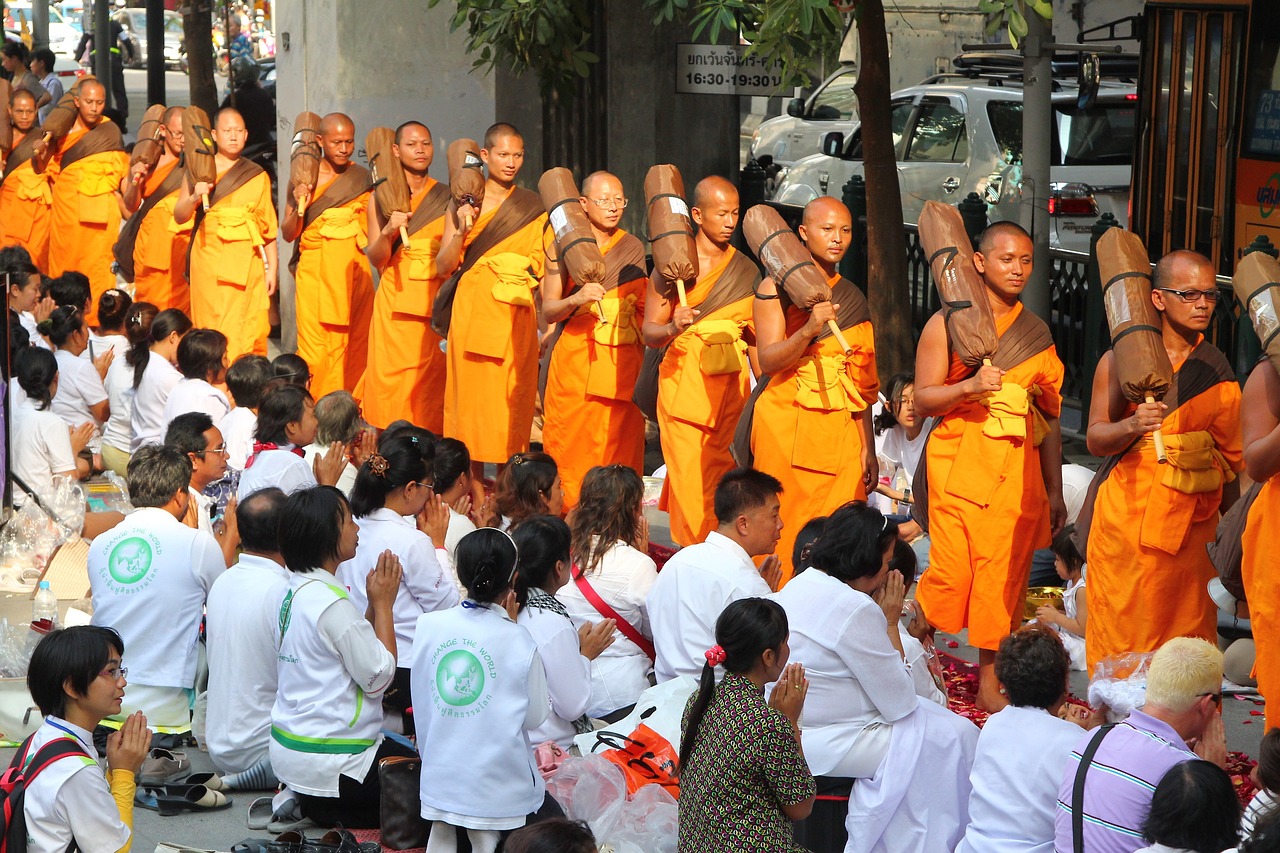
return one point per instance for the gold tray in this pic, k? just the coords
(1038, 596)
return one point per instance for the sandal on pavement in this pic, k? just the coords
(198, 798)
(260, 813)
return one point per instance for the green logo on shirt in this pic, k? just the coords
(130, 560)
(459, 678)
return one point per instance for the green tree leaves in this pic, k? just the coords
(1013, 14)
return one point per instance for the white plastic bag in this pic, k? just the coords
(1120, 683)
(660, 708)
(593, 789)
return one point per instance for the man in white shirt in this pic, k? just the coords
(699, 582)
(194, 436)
(149, 576)
(242, 638)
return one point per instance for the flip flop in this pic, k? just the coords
(260, 813)
(197, 799)
(162, 765)
(344, 841)
(145, 799)
(209, 779)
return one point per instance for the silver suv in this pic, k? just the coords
(833, 106)
(954, 137)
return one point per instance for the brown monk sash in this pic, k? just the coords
(240, 173)
(345, 188)
(1027, 336)
(123, 248)
(738, 281)
(622, 264)
(103, 138)
(1204, 368)
(431, 208)
(517, 210)
(853, 311)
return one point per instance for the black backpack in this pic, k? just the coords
(13, 789)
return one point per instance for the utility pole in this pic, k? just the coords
(1037, 127)
(155, 52)
(39, 26)
(102, 45)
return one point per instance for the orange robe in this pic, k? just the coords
(1148, 566)
(988, 507)
(1262, 585)
(404, 376)
(85, 216)
(334, 296)
(25, 201)
(228, 281)
(697, 411)
(589, 418)
(805, 430)
(492, 383)
(160, 252)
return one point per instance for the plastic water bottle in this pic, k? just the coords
(45, 605)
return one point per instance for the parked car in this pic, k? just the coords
(134, 19)
(832, 107)
(957, 136)
(63, 38)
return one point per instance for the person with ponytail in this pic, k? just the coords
(528, 485)
(81, 395)
(613, 574)
(42, 447)
(117, 435)
(154, 359)
(392, 487)
(202, 361)
(480, 688)
(743, 774)
(114, 307)
(543, 542)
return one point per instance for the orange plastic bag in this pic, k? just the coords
(646, 758)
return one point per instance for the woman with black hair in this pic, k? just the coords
(81, 395)
(480, 688)
(844, 614)
(286, 424)
(743, 774)
(392, 487)
(114, 306)
(154, 358)
(42, 447)
(545, 564)
(326, 733)
(117, 435)
(202, 361)
(1193, 810)
(528, 485)
(469, 506)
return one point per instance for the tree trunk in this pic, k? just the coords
(197, 28)
(887, 289)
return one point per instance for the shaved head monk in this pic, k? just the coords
(90, 163)
(152, 248)
(496, 253)
(994, 460)
(232, 263)
(405, 375)
(811, 425)
(703, 378)
(25, 197)
(1148, 566)
(334, 293)
(590, 418)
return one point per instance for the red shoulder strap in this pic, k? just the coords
(602, 607)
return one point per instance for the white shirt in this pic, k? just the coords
(281, 467)
(918, 662)
(118, 432)
(195, 395)
(98, 344)
(237, 428)
(242, 637)
(79, 388)
(568, 673)
(1022, 754)
(623, 580)
(158, 379)
(693, 589)
(70, 799)
(204, 519)
(346, 480)
(901, 454)
(1262, 804)
(41, 448)
(425, 585)
(1075, 483)
(28, 321)
(53, 86)
(459, 526)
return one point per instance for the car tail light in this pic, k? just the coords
(1072, 200)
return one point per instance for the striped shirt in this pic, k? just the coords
(1118, 784)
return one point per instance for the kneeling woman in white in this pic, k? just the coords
(76, 679)
(286, 424)
(202, 360)
(153, 358)
(480, 688)
(326, 724)
(42, 447)
(862, 717)
(81, 397)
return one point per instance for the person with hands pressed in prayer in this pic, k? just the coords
(286, 424)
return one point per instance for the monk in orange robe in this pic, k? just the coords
(811, 423)
(232, 262)
(404, 377)
(25, 193)
(492, 347)
(1260, 426)
(703, 377)
(993, 461)
(88, 168)
(334, 293)
(1148, 566)
(152, 248)
(589, 417)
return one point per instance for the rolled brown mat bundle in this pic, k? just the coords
(6, 128)
(148, 148)
(971, 326)
(1140, 359)
(61, 118)
(304, 156)
(671, 231)
(788, 262)
(199, 149)
(1257, 285)
(466, 174)
(575, 241)
(80, 81)
(390, 187)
